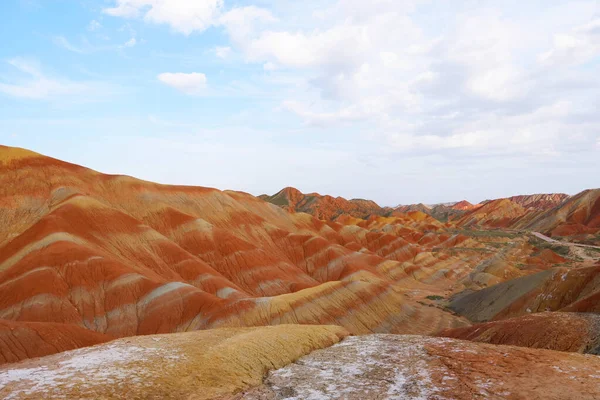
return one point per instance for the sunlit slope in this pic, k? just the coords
(121, 256)
(577, 216)
(323, 206)
(197, 365)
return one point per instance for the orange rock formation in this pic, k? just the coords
(323, 207)
(119, 256)
(563, 331)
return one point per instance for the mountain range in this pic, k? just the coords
(134, 267)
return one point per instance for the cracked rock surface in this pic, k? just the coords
(417, 367)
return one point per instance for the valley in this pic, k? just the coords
(121, 264)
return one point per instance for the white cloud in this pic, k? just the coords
(40, 87)
(413, 87)
(322, 118)
(270, 66)
(472, 82)
(193, 83)
(340, 44)
(501, 83)
(61, 41)
(222, 51)
(94, 25)
(130, 43)
(241, 22)
(183, 16)
(579, 45)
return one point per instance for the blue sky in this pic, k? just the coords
(396, 101)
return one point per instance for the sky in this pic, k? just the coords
(390, 100)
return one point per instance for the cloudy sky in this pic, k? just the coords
(392, 100)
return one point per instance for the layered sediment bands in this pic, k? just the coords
(323, 207)
(562, 331)
(358, 306)
(416, 367)
(123, 257)
(197, 365)
(556, 289)
(22, 340)
(502, 213)
(577, 216)
(540, 202)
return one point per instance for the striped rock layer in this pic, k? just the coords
(562, 331)
(86, 257)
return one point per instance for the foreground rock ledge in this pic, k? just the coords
(195, 365)
(305, 363)
(416, 367)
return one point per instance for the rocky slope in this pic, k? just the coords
(86, 257)
(197, 365)
(540, 202)
(23, 340)
(577, 218)
(502, 213)
(556, 289)
(403, 209)
(562, 331)
(119, 256)
(305, 362)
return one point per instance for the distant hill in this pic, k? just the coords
(323, 206)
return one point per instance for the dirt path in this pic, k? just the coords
(549, 239)
(576, 249)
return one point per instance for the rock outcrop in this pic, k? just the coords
(197, 365)
(562, 331)
(323, 206)
(122, 257)
(416, 367)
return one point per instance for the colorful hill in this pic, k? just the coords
(118, 256)
(577, 218)
(574, 218)
(323, 207)
(556, 289)
(197, 365)
(562, 331)
(302, 362)
(86, 258)
(502, 213)
(540, 202)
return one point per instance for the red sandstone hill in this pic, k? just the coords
(498, 213)
(563, 331)
(558, 215)
(464, 206)
(323, 207)
(512, 212)
(533, 212)
(578, 217)
(85, 257)
(412, 207)
(113, 255)
(501, 213)
(540, 201)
